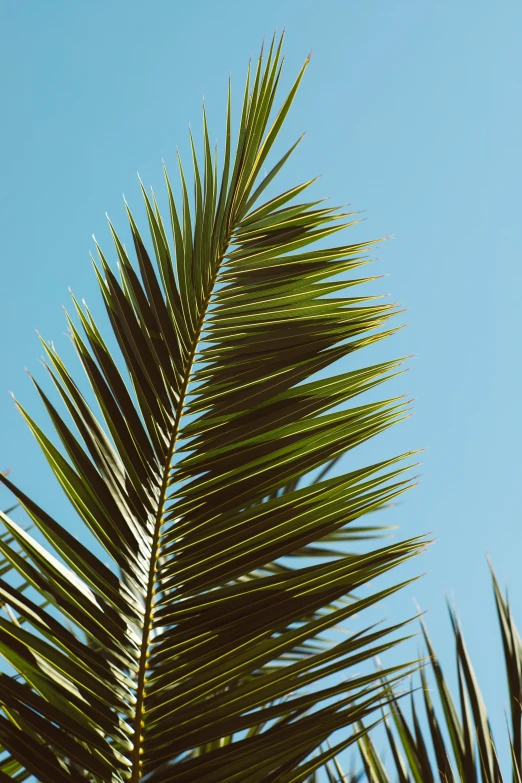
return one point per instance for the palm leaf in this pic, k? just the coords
(456, 743)
(200, 653)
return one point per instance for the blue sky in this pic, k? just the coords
(412, 111)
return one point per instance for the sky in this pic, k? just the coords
(412, 113)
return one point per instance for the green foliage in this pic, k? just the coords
(200, 652)
(453, 741)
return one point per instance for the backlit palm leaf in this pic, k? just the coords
(199, 654)
(453, 742)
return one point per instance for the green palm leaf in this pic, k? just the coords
(454, 743)
(200, 652)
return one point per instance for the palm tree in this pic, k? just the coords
(200, 653)
(453, 741)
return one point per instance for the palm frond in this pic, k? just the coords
(199, 652)
(453, 742)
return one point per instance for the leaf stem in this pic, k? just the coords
(138, 723)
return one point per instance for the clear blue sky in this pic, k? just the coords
(413, 113)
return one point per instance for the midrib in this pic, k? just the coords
(138, 724)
